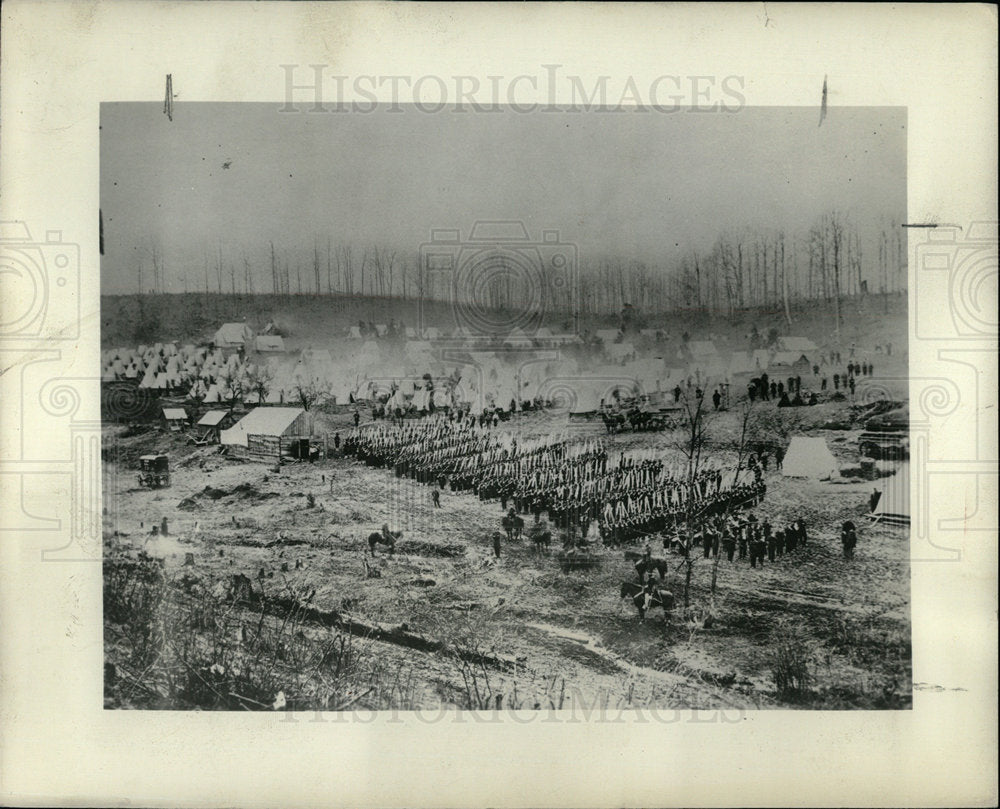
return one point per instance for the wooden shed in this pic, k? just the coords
(270, 433)
(212, 424)
(175, 418)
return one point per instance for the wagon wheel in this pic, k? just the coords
(142, 480)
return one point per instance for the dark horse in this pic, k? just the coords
(660, 597)
(646, 566)
(513, 525)
(387, 538)
(541, 539)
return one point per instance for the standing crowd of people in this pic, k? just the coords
(573, 482)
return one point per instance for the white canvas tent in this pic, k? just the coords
(893, 507)
(232, 335)
(809, 458)
(397, 400)
(421, 400)
(267, 421)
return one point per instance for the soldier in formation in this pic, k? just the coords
(575, 483)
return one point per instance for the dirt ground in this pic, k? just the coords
(572, 641)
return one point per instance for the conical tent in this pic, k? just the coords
(893, 506)
(809, 458)
(397, 400)
(421, 400)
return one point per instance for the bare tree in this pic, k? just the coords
(312, 392)
(259, 377)
(233, 384)
(692, 446)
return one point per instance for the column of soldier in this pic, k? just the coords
(755, 540)
(572, 481)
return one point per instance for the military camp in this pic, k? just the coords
(521, 412)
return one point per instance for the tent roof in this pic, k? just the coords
(212, 418)
(809, 457)
(269, 420)
(172, 413)
(607, 335)
(233, 333)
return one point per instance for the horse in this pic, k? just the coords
(541, 538)
(379, 538)
(643, 567)
(513, 525)
(661, 597)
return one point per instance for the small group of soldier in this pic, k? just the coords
(728, 533)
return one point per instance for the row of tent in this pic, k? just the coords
(367, 370)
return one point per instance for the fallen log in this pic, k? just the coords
(398, 634)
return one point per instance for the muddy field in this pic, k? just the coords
(443, 622)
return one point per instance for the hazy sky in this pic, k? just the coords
(639, 185)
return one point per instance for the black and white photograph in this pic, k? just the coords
(494, 404)
(408, 408)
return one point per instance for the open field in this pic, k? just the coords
(443, 623)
